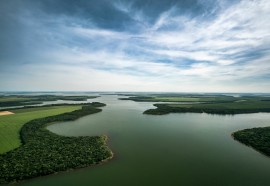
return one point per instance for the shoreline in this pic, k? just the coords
(24, 138)
(69, 170)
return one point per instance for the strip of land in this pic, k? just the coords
(212, 108)
(21, 100)
(212, 104)
(180, 98)
(44, 152)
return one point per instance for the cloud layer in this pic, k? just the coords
(169, 46)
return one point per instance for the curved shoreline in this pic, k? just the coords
(49, 153)
(68, 170)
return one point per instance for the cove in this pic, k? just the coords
(174, 149)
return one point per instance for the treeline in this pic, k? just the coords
(55, 97)
(204, 99)
(44, 152)
(18, 103)
(139, 99)
(258, 138)
(165, 109)
(38, 99)
(95, 104)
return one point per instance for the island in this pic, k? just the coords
(43, 152)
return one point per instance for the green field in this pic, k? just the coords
(10, 125)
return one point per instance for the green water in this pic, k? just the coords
(174, 149)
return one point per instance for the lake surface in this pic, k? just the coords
(175, 149)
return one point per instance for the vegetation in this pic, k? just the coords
(38, 107)
(210, 103)
(235, 107)
(194, 98)
(258, 138)
(44, 152)
(20, 100)
(181, 98)
(10, 125)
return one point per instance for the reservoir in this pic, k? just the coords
(174, 149)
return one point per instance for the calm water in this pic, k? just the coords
(174, 149)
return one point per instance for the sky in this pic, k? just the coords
(135, 45)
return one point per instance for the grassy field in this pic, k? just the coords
(10, 125)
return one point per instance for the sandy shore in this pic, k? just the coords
(3, 113)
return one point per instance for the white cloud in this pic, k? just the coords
(176, 53)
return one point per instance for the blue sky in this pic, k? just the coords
(135, 45)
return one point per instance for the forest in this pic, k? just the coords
(205, 108)
(258, 138)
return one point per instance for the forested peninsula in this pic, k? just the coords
(257, 138)
(44, 152)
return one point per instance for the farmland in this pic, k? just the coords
(10, 125)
